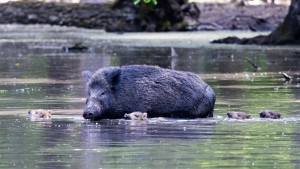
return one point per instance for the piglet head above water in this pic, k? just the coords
(138, 116)
(269, 114)
(100, 97)
(39, 114)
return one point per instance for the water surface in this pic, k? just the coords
(36, 72)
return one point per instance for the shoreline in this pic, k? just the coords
(213, 17)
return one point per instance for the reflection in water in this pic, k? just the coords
(112, 139)
(37, 75)
(214, 143)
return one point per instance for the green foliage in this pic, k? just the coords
(146, 1)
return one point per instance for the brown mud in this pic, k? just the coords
(103, 16)
(235, 17)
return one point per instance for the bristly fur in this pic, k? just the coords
(157, 91)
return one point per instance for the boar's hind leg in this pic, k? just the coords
(207, 104)
(211, 97)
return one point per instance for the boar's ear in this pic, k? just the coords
(86, 75)
(145, 116)
(113, 76)
(50, 112)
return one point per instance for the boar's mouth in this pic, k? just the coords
(93, 109)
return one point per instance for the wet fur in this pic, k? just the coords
(238, 115)
(269, 114)
(140, 116)
(114, 91)
(40, 114)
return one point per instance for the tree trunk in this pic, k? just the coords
(289, 31)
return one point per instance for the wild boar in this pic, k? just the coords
(39, 114)
(238, 115)
(139, 116)
(115, 91)
(269, 114)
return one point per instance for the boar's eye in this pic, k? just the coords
(102, 93)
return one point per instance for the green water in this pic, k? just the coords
(35, 72)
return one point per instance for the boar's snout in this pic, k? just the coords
(88, 114)
(229, 115)
(262, 114)
(91, 109)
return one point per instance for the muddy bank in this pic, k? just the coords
(123, 16)
(96, 16)
(80, 15)
(126, 17)
(235, 17)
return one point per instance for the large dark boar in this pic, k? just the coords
(114, 91)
